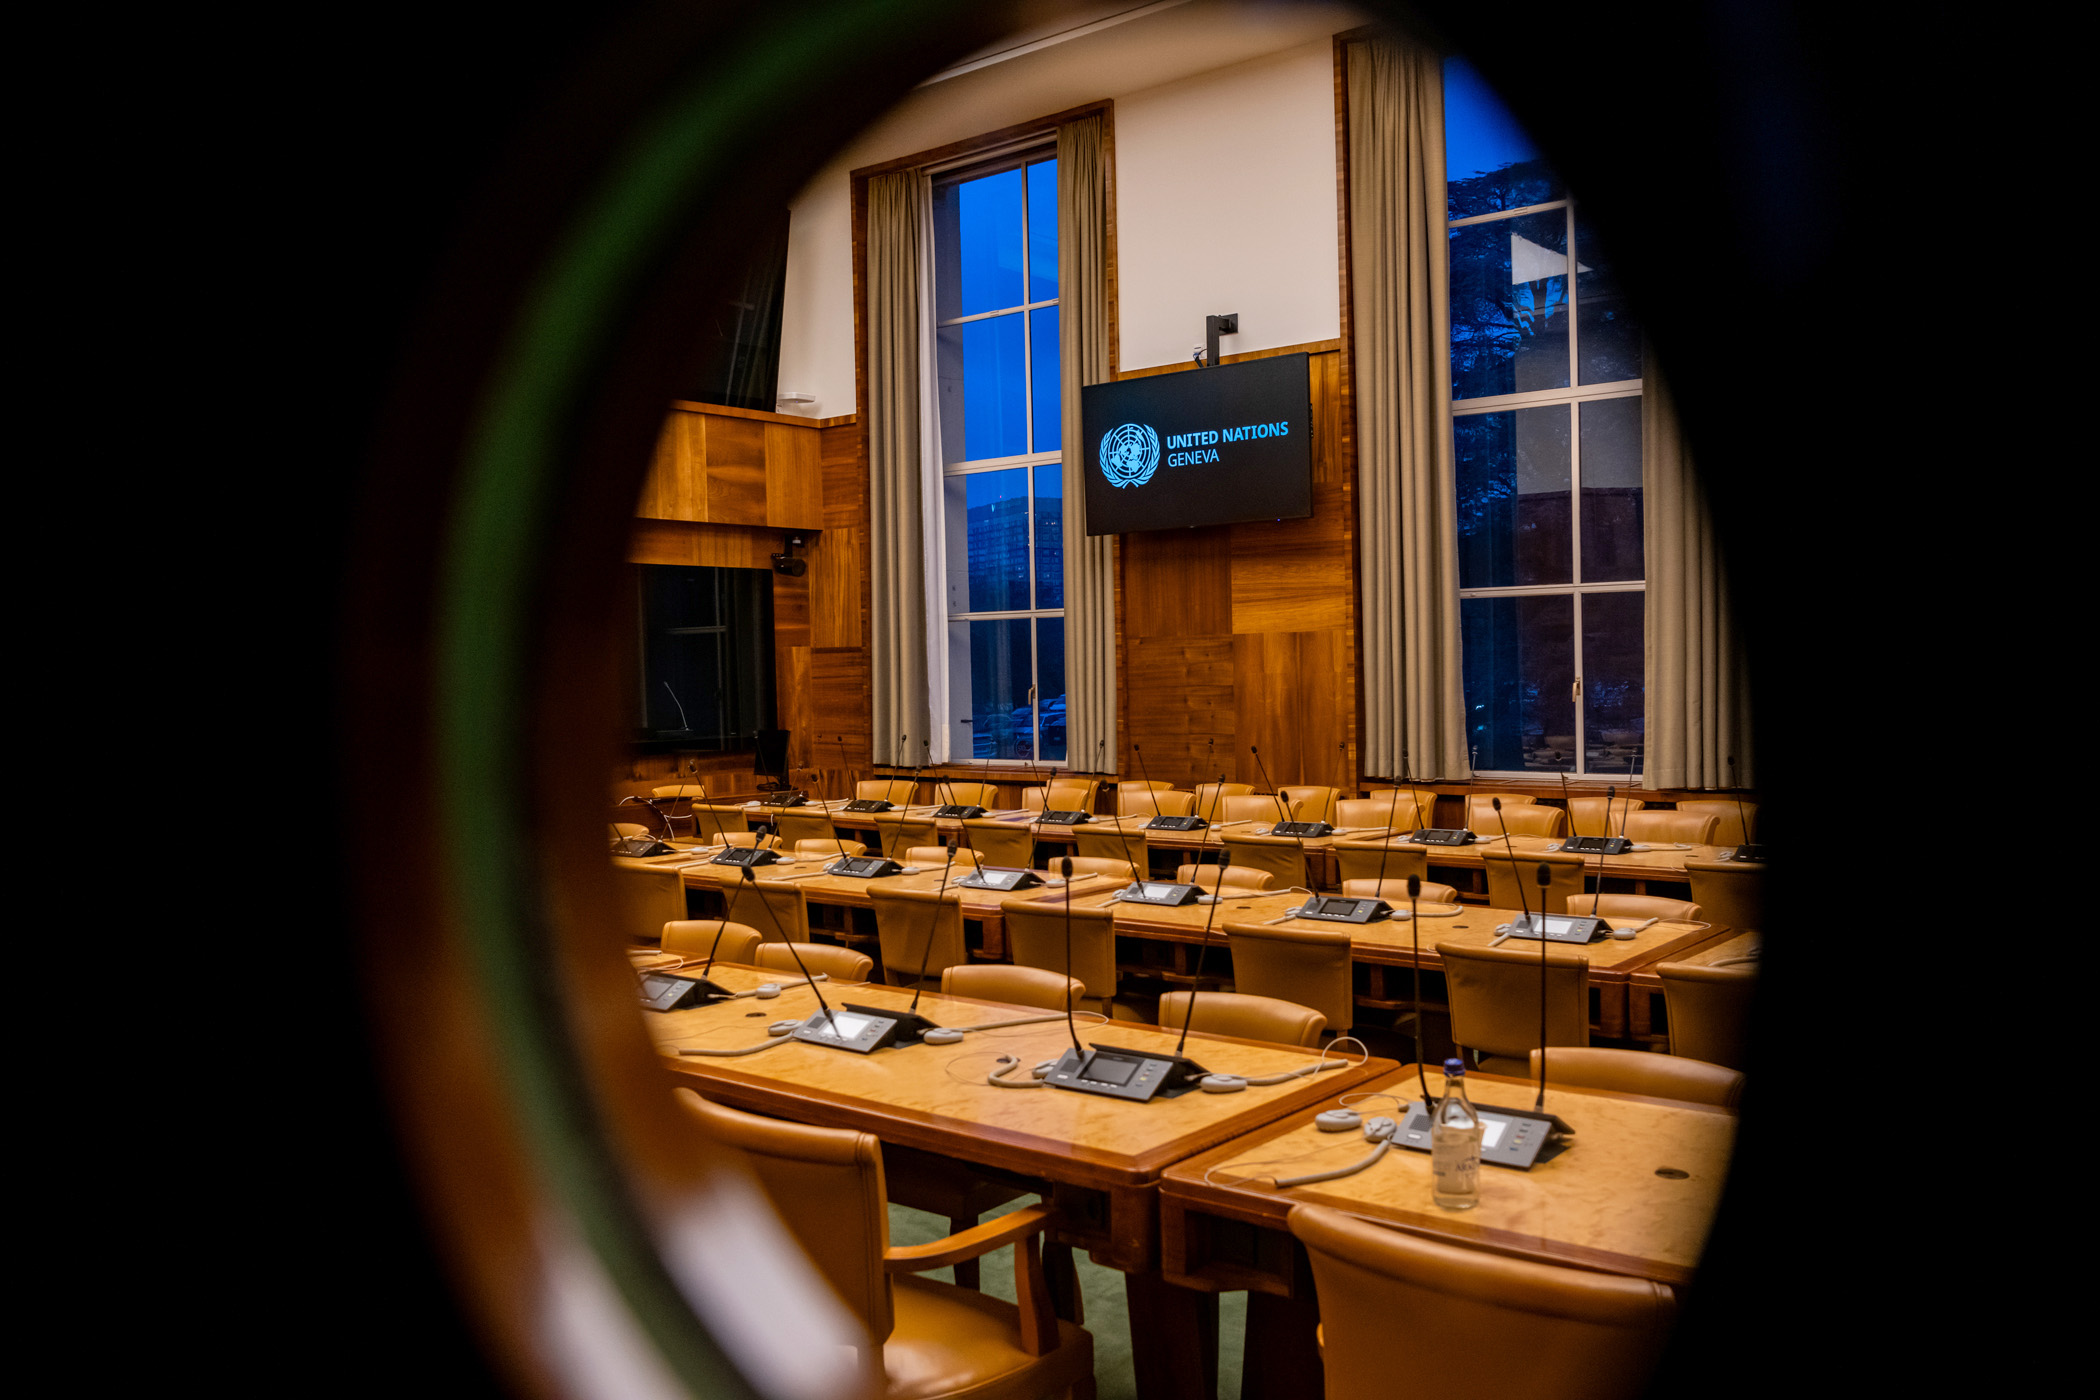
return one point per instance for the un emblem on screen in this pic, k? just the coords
(1129, 454)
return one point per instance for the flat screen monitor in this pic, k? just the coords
(1199, 447)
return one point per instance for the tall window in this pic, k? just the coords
(1546, 429)
(1001, 486)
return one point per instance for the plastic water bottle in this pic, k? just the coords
(1454, 1143)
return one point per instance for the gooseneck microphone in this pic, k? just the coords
(1545, 878)
(1217, 898)
(1385, 848)
(774, 919)
(1414, 918)
(1065, 869)
(1511, 849)
(1283, 813)
(926, 953)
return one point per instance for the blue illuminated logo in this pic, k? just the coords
(1129, 454)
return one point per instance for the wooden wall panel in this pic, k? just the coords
(675, 490)
(1181, 706)
(794, 479)
(1293, 575)
(1177, 583)
(1291, 707)
(735, 467)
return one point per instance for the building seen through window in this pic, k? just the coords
(1546, 436)
(1001, 473)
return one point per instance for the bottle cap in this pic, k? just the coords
(1454, 1065)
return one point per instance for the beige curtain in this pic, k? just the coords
(1698, 684)
(897, 249)
(1082, 287)
(1414, 695)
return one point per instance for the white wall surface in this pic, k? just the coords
(1225, 201)
(1227, 109)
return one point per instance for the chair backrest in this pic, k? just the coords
(827, 1186)
(1095, 865)
(1639, 1072)
(1312, 804)
(1208, 795)
(1527, 820)
(1505, 874)
(916, 928)
(825, 959)
(798, 824)
(1494, 994)
(1351, 813)
(1480, 807)
(1016, 986)
(1394, 892)
(1728, 828)
(895, 835)
(689, 791)
(650, 897)
(1159, 801)
(835, 846)
(1311, 968)
(1001, 843)
(966, 794)
(1282, 856)
(693, 938)
(1709, 1011)
(938, 856)
(902, 791)
(1692, 828)
(1234, 877)
(1732, 892)
(1248, 1017)
(1366, 860)
(1142, 785)
(1250, 807)
(628, 831)
(1124, 842)
(1586, 814)
(1633, 907)
(711, 823)
(1035, 936)
(1472, 1323)
(1420, 801)
(1062, 795)
(778, 909)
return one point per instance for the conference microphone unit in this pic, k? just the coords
(861, 1029)
(789, 798)
(1284, 826)
(1144, 891)
(1606, 845)
(960, 811)
(748, 856)
(1749, 850)
(642, 845)
(1000, 877)
(1160, 821)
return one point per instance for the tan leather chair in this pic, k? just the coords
(937, 858)
(1586, 814)
(1472, 1323)
(1371, 813)
(965, 794)
(1421, 801)
(1142, 785)
(916, 928)
(798, 824)
(1160, 801)
(1233, 877)
(1282, 856)
(778, 909)
(1692, 828)
(1732, 892)
(830, 849)
(1312, 804)
(628, 831)
(1010, 844)
(1494, 994)
(692, 792)
(822, 959)
(1062, 795)
(718, 824)
(828, 1186)
(895, 835)
(1364, 860)
(1632, 908)
(1113, 841)
(1016, 986)
(1248, 1017)
(1394, 892)
(1709, 1011)
(1728, 818)
(902, 791)
(1035, 936)
(650, 897)
(692, 938)
(1311, 968)
(1094, 865)
(1208, 796)
(1249, 807)
(1504, 874)
(1639, 1072)
(1530, 820)
(1480, 809)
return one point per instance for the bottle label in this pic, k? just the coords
(1454, 1159)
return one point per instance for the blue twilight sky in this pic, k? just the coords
(1479, 132)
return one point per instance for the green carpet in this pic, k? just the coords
(1102, 1291)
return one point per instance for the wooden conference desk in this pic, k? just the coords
(1645, 988)
(1605, 1204)
(1389, 943)
(1100, 1159)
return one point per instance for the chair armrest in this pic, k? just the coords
(978, 1240)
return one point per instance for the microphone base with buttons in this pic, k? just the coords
(1116, 1073)
(640, 846)
(863, 1029)
(1510, 1137)
(1596, 845)
(1175, 824)
(1442, 836)
(661, 991)
(959, 811)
